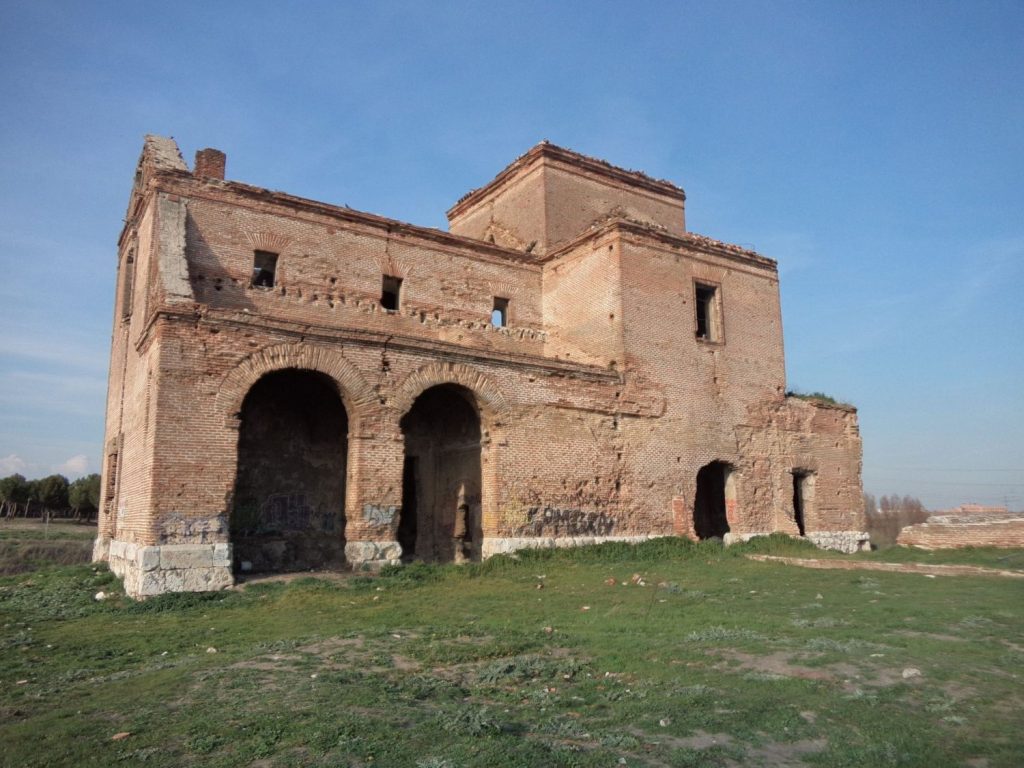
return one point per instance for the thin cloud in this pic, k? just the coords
(76, 465)
(11, 464)
(56, 350)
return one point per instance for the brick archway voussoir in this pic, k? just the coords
(493, 404)
(355, 392)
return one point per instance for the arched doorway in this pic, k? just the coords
(289, 501)
(715, 490)
(441, 488)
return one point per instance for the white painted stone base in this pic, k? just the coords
(841, 541)
(153, 570)
(495, 546)
(372, 555)
(100, 548)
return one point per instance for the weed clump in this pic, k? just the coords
(530, 667)
(819, 397)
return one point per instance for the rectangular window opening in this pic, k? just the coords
(499, 315)
(391, 293)
(264, 266)
(707, 311)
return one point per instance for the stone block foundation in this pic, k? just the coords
(372, 555)
(153, 570)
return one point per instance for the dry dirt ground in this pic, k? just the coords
(860, 565)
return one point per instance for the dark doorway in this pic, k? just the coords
(709, 505)
(407, 522)
(803, 495)
(440, 518)
(289, 502)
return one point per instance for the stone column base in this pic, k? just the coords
(154, 570)
(100, 549)
(372, 555)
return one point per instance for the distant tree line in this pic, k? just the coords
(50, 497)
(887, 516)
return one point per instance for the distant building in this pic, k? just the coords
(969, 525)
(978, 509)
(296, 385)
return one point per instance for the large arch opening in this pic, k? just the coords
(715, 490)
(440, 519)
(289, 501)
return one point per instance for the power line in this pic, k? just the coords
(949, 469)
(911, 481)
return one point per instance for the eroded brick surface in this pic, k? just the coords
(633, 355)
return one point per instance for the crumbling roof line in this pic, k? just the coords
(388, 226)
(708, 245)
(594, 164)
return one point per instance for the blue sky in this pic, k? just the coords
(875, 149)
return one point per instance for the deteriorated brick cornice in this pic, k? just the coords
(186, 185)
(546, 149)
(688, 240)
(449, 350)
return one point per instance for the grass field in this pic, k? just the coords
(26, 545)
(662, 654)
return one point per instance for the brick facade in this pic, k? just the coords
(294, 384)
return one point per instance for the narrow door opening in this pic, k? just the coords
(710, 505)
(803, 498)
(407, 518)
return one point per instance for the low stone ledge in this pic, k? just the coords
(504, 546)
(841, 541)
(847, 542)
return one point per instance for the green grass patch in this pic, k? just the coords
(985, 557)
(27, 545)
(664, 653)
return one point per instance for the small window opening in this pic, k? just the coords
(499, 315)
(264, 266)
(390, 293)
(706, 305)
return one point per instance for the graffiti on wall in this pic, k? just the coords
(284, 512)
(378, 514)
(178, 528)
(559, 521)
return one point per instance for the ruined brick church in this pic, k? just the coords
(298, 385)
